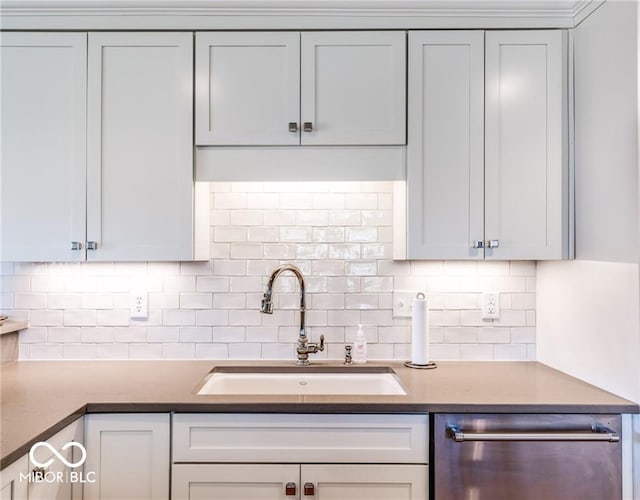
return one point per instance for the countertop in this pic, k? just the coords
(38, 398)
(12, 325)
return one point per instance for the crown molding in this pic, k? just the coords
(292, 14)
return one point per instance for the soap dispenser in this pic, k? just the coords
(360, 347)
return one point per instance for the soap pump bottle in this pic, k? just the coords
(360, 347)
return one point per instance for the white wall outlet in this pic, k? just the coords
(139, 305)
(490, 305)
(403, 303)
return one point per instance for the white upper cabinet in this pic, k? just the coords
(140, 153)
(487, 175)
(526, 162)
(247, 88)
(311, 88)
(43, 153)
(353, 88)
(446, 145)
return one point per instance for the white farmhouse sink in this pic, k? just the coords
(302, 380)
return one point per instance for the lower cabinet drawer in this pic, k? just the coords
(290, 481)
(353, 438)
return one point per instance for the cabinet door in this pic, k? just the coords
(140, 153)
(235, 481)
(12, 483)
(247, 88)
(445, 167)
(353, 87)
(526, 173)
(63, 488)
(43, 137)
(129, 454)
(364, 482)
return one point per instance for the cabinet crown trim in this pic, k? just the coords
(304, 14)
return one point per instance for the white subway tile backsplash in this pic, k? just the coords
(245, 351)
(212, 351)
(97, 335)
(339, 234)
(33, 335)
(30, 300)
(46, 318)
(131, 334)
(228, 334)
(476, 352)
(62, 335)
(178, 317)
(97, 301)
(112, 351)
(510, 352)
(212, 317)
(145, 351)
(79, 351)
(163, 334)
(195, 334)
(178, 351)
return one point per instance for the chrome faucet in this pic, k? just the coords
(304, 347)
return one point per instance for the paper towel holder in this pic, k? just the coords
(410, 364)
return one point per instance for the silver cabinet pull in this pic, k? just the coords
(493, 243)
(76, 245)
(92, 245)
(477, 244)
(308, 127)
(598, 433)
(293, 127)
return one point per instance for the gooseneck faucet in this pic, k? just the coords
(304, 347)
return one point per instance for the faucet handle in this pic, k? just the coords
(321, 346)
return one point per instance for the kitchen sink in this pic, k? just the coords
(271, 380)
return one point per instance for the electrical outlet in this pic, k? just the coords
(403, 303)
(139, 306)
(490, 305)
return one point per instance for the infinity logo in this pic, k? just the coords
(55, 452)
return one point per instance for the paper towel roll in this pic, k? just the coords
(420, 331)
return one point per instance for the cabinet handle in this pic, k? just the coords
(92, 245)
(308, 127)
(309, 489)
(38, 473)
(290, 489)
(293, 127)
(493, 243)
(598, 433)
(478, 244)
(76, 245)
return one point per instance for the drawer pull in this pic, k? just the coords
(598, 433)
(290, 489)
(308, 127)
(309, 489)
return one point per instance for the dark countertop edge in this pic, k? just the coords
(309, 407)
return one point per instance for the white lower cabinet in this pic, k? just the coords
(298, 456)
(11, 485)
(129, 455)
(48, 478)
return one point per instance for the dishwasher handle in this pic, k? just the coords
(598, 433)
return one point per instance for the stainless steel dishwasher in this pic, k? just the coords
(526, 457)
